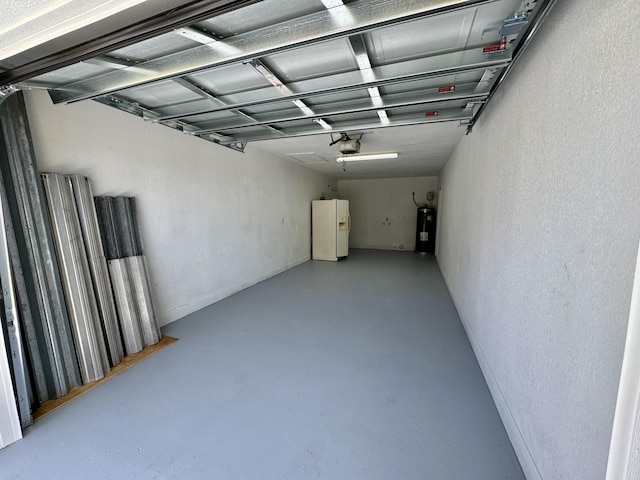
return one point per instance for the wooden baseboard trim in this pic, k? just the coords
(126, 363)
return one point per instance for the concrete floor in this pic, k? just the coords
(354, 370)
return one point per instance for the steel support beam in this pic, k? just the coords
(364, 15)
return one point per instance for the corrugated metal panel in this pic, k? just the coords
(81, 302)
(49, 332)
(126, 305)
(144, 302)
(97, 266)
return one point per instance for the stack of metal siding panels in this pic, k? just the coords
(97, 265)
(123, 292)
(126, 303)
(50, 346)
(127, 228)
(81, 301)
(140, 284)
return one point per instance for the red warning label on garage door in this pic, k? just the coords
(447, 89)
(497, 48)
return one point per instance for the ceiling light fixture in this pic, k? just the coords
(367, 156)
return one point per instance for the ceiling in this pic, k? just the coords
(289, 78)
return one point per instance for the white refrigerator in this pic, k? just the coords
(330, 226)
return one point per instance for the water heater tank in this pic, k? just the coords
(426, 230)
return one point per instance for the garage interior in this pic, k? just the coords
(219, 118)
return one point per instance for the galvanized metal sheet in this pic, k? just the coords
(205, 75)
(108, 231)
(81, 302)
(107, 309)
(41, 371)
(125, 227)
(49, 333)
(140, 286)
(253, 134)
(126, 305)
(259, 15)
(409, 71)
(97, 266)
(362, 16)
(12, 322)
(425, 98)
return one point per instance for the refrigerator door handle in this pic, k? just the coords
(348, 222)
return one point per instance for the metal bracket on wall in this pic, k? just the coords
(237, 146)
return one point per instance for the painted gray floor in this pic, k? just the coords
(352, 370)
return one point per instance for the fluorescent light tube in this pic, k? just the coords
(323, 124)
(332, 3)
(301, 105)
(367, 156)
(384, 119)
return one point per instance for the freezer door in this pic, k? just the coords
(344, 226)
(324, 230)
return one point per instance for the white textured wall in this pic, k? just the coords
(539, 235)
(383, 214)
(213, 220)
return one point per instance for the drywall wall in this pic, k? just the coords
(539, 235)
(383, 215)
(213, 220)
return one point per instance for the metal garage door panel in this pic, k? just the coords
(278, 107)
(155, 47)
(160, 94)
(337, 98)
(230, 79)
(252, 96)
(72, 73)
(334, 56)
(243, 131)
(434, 83)
(207, 118)
(180, 109)
(489, 20)
(263, 14)
(421, 37)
